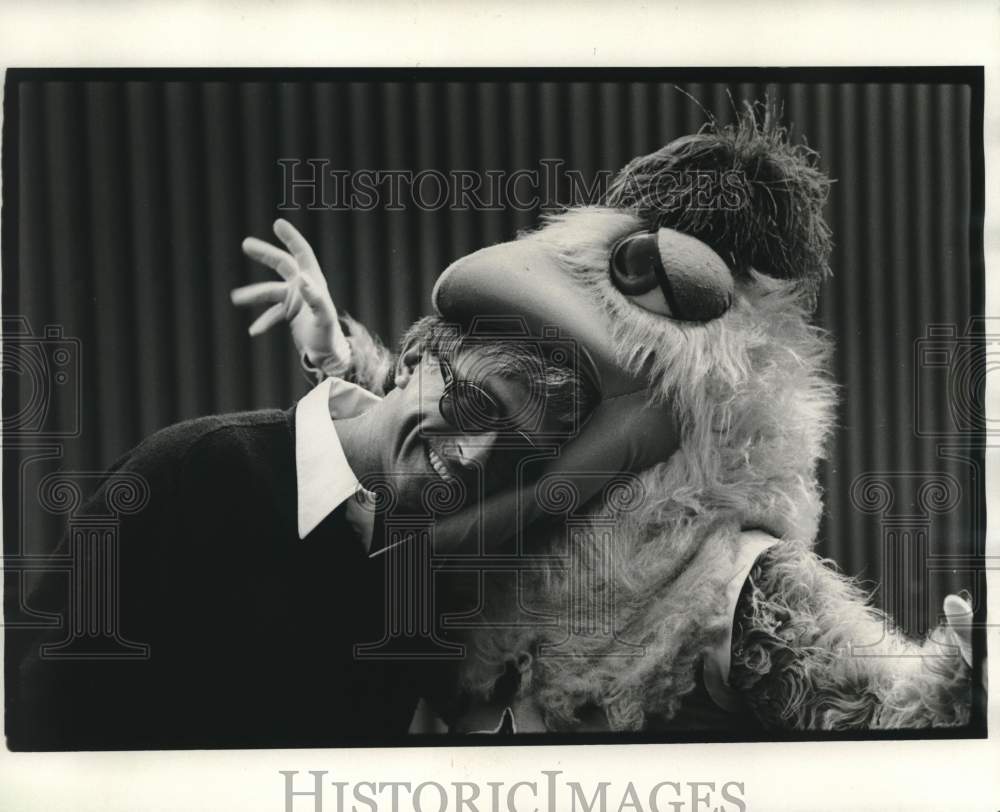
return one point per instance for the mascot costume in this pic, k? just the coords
(689, 292)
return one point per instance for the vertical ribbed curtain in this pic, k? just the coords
(133, 197)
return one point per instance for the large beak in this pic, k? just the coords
(520, 283)
(625, 433)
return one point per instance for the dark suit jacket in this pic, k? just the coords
(251, 630)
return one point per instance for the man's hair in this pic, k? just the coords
(569, 396)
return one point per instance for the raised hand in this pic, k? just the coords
(301, 298)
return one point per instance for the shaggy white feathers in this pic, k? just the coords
(754, 405)
(751, 390)
(754, 402)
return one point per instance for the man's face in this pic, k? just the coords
(455, 419)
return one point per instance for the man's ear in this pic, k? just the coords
(407, 362)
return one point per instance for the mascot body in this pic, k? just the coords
(723, 615)
(711, 571)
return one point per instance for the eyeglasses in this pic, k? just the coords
(469, 407)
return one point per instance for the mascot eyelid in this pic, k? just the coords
(633, 263)
(671, 274)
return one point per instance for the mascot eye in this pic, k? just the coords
(672, 274)
(633, 264)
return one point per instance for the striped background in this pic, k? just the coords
(133, 197)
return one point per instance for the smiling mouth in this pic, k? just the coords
(439, 465)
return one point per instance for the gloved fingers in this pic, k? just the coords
(270, 317)
(259, 293)
(274, 258)
(297, 244)
(319, 302)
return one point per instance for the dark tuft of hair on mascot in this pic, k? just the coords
(773, 194)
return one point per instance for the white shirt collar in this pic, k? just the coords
(324, 477)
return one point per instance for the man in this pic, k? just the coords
(256, 567)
